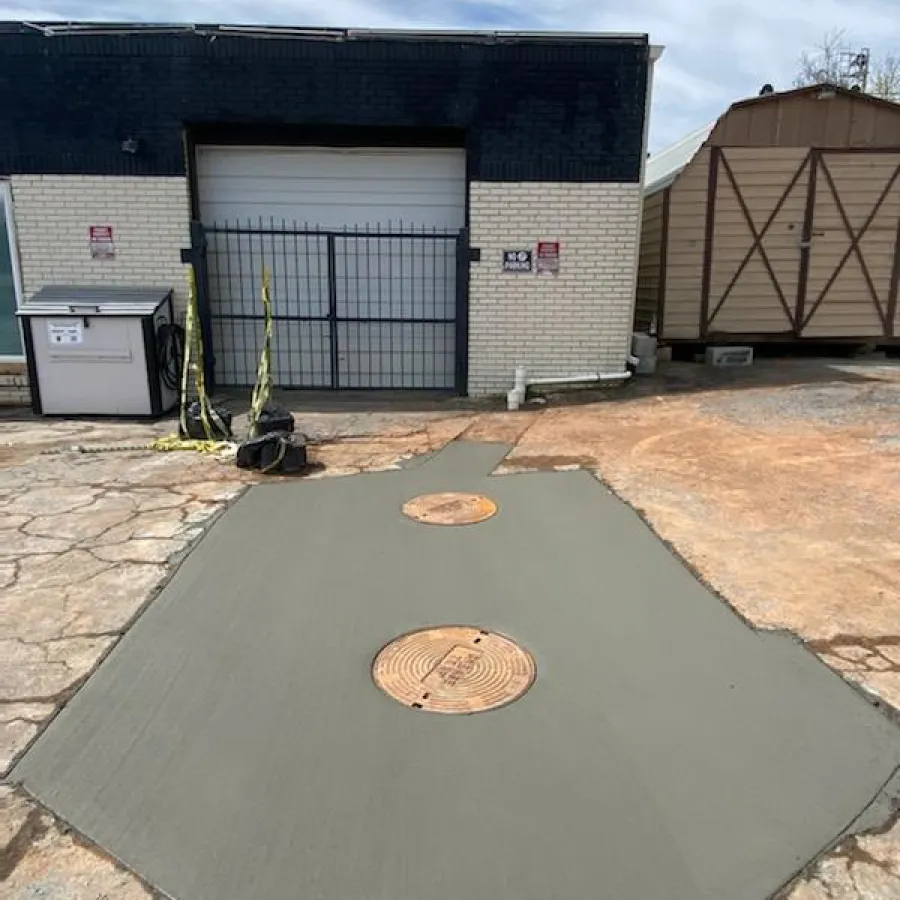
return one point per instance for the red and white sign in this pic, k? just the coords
(547, 262)
(101, 242)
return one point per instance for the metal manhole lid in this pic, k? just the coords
(455, 669)
(450, 508)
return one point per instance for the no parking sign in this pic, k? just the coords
(516, 260)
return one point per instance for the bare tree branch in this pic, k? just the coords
(884, 78)
(824, 64)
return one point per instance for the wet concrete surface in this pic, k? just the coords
(233, 745)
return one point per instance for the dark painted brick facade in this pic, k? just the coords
(527, 110)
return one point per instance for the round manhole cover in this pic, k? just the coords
(454, 669)
(452, 508)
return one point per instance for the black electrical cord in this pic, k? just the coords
(170, 354)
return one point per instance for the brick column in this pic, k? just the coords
(577, 321)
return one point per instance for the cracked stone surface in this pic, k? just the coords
(40, 859)
(85, 543)
(863, 868)
(786, 503)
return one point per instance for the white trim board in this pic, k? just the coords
(6, 200)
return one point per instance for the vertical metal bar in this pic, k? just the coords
(372, 326)
(408, 334)
(390, 300)
(332, 310)
(219, 312)
(400, 316)
(441, 311)
(223, 260)
(436, 358)
(345, 284)
(436, 245)
(356, 382)
(423, 251)
(248, 370)
(448, 246)
(414, 308)
(462, 312)
(316, 333)
(381, 315)
(307, 298)
(234, 304)
(279, 292)
(201, 272)
(298, 301)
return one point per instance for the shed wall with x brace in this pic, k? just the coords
(783, 225)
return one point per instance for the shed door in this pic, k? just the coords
(362, 247)
(802, 243)
(853, 244)
(755, 240)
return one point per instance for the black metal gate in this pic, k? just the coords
(357, 309)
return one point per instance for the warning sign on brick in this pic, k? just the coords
(548, 258)
(516, 260)
(101, 242)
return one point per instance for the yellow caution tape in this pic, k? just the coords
(174, 442)
(262, 390)
(193, 365)
(282, 450)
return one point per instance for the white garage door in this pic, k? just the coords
(361, 245)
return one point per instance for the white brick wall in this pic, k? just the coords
(577, 321)
(150, 218)
(14, 385)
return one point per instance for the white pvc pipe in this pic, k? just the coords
(520, 380)
(516, 397)
(576, 379)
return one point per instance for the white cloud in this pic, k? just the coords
(717, 51)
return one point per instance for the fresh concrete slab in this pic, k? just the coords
(234, 746)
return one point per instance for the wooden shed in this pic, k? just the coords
(780, 221)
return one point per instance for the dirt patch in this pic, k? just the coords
(549, 462)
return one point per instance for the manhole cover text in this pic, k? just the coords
(452, 508)
(454, 669)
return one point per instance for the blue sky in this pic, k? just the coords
(716, 51)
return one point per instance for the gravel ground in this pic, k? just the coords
(838, 404)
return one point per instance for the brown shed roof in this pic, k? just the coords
(760, 121)
(814, 89)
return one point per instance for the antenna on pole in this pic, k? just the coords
(855, 69)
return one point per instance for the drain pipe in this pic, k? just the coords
(521, 382)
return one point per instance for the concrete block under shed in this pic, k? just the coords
(729, 356)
